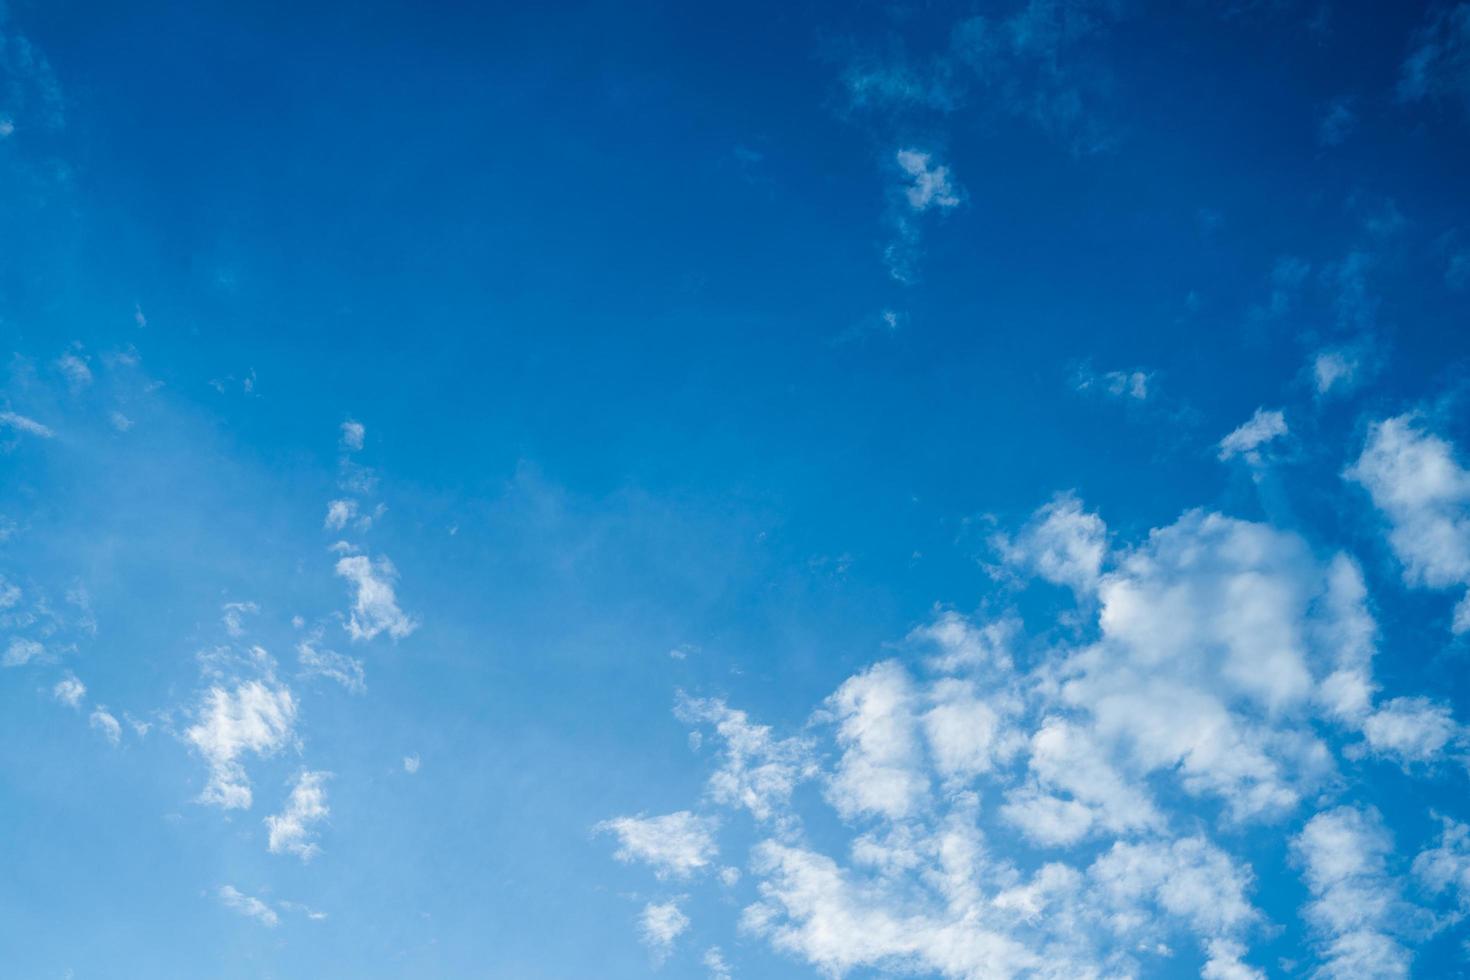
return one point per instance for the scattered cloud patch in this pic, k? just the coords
(676, 844)
(375, 606)
(1263, 427)
(69, 691)
(352, 434)
(102, 721)
(254, 718)
(253, 908)
(1415, 480)
(291, 830)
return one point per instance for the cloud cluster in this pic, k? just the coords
(1219, 676)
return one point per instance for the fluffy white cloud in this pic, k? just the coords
(1356, 906)
(758, 771)
(1334, 370)
(233, 898)
(1216, 659)
(1062, 543)
(1411, 729)
(375, 607)
(677, 844)
(1446, 866)
(1246, 441)
(102, 721)
(69, 691)
(660, 924)
(291, 830)
(339, 512)
(714, 961)
(233, 616)
(929, 184)
(411, 764)
(256, 717)
(878, 731)
(352, 435)
(1414, 478)
(959, 643)
(22, 651)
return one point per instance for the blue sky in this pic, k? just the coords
(792, 490)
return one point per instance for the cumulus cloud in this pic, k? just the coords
(233, 616)
(758, 771)
(959, 643)
(1203, 681)
(22, 651)
(339, 512)
(291, 830)
(1356, 908)
(1062, 543)
(375, 607)
(254, 908)
(1415, 480)
(877, 729)
(1246, 442)
(352, 435)
(69, 691)
(676, 844)
(1335, 370)
(928, 184)
(254, 718)
(660, 925)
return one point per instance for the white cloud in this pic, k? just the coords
(345, 670)
(1334, 370)
(878, 732)
(375, 608)
(103, 721)
(962, 644)
(714, 961)
(248, 906)
(1446, 866)
(233, 616)
(1062, 543)
(352, 435)
(1414, 478)
(411, 764)
(291, 829)
(256, 718)
(27, 425)
(75, 370)
(120, 422)
(757, 772)
(660, 924)
(22, 651)
(677, 844)
(929, 184)
(69, 691)
(1411, 729)
(1356, 905)
(1246, 441)
(339, 512)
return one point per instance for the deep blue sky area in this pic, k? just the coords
(960, 490)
